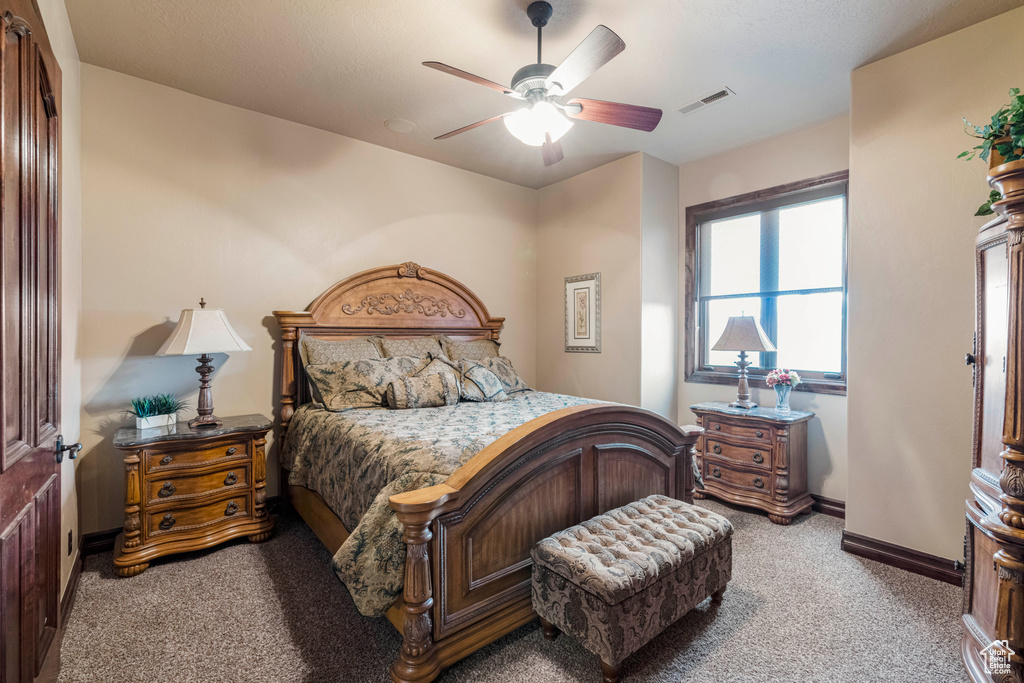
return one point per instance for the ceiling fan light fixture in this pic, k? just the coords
(531, 125)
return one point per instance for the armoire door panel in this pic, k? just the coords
(992, 357)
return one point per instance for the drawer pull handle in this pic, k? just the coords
(716, 472)
(230, 479)
(718, 427)
(231, 509)
(166, 490)
(758, 483)
(231, 451)
(717, 449)
(166, 460)
(167, 522)
(759, 434)
(758, 458)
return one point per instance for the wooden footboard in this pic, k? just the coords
(467, 571)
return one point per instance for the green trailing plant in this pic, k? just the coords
(160, 404)
(986, 208)
(1004, 134)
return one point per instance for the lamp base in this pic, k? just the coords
(743, 404)
(204, 422)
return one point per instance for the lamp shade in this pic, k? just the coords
(743, 333)
(202, 331)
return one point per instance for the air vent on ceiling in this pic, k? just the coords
(706, 101)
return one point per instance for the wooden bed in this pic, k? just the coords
(467, 573)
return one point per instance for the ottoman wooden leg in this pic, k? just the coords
(611, 673)
(716, 597)
(550, 630)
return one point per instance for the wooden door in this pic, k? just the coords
(30, 342)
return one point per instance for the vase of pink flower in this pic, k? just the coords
(783, 382)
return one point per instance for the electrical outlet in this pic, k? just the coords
(69, 542)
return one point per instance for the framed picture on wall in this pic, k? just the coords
(583, 313)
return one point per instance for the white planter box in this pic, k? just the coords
(155, 421)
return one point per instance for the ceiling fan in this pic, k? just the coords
(543, 118)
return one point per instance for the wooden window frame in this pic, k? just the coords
(761, 200)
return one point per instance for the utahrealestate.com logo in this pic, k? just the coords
(997, 658)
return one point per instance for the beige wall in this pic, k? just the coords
(58, 29)
(188, 198)
(591, 223)
(797, 155)
(912, 280)
(659, 287)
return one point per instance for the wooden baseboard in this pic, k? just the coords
(103, 541)
(99, 541)
(897, 556)
(67, 601)
(828, 506)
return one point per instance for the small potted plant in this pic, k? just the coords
(1002, 141)
(160, 410)
(783, 382)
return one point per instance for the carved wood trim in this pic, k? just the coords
(403, 300)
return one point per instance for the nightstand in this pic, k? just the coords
(755, 457)
(189, 489)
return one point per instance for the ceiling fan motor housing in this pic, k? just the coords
(531, 77)
(539, 13)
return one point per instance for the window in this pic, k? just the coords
(780, 256)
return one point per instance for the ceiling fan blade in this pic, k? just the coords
(614, 113)
(551, 150)
(473, 79)
(469, 127)
(595, 51)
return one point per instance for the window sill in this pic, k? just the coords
(812, 385)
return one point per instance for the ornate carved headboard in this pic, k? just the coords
(392, 301)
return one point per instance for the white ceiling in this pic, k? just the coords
(347, 66)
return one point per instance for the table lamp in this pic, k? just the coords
(743, 333)
(203, 331)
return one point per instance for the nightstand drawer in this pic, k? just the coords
(720, 473)
(167, 460)
(182, 519)
(175, 488)
(751, 456)
(715, 427)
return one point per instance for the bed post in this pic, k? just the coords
(287, 376)
(685, 467)
(417, 658)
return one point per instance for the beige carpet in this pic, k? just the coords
(798, 609)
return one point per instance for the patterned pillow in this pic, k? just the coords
(423, 391)
(439, 364)
(418, 346)
(509, 378)
(473, 350)
(323, 351)
(360, 383)
(479, 383)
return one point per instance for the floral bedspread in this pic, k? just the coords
(358, 459)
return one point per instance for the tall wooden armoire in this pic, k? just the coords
(994, 544)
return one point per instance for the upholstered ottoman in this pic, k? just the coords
(616, 581)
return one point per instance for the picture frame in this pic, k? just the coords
(583, 313)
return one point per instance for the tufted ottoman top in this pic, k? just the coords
(621, 552)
